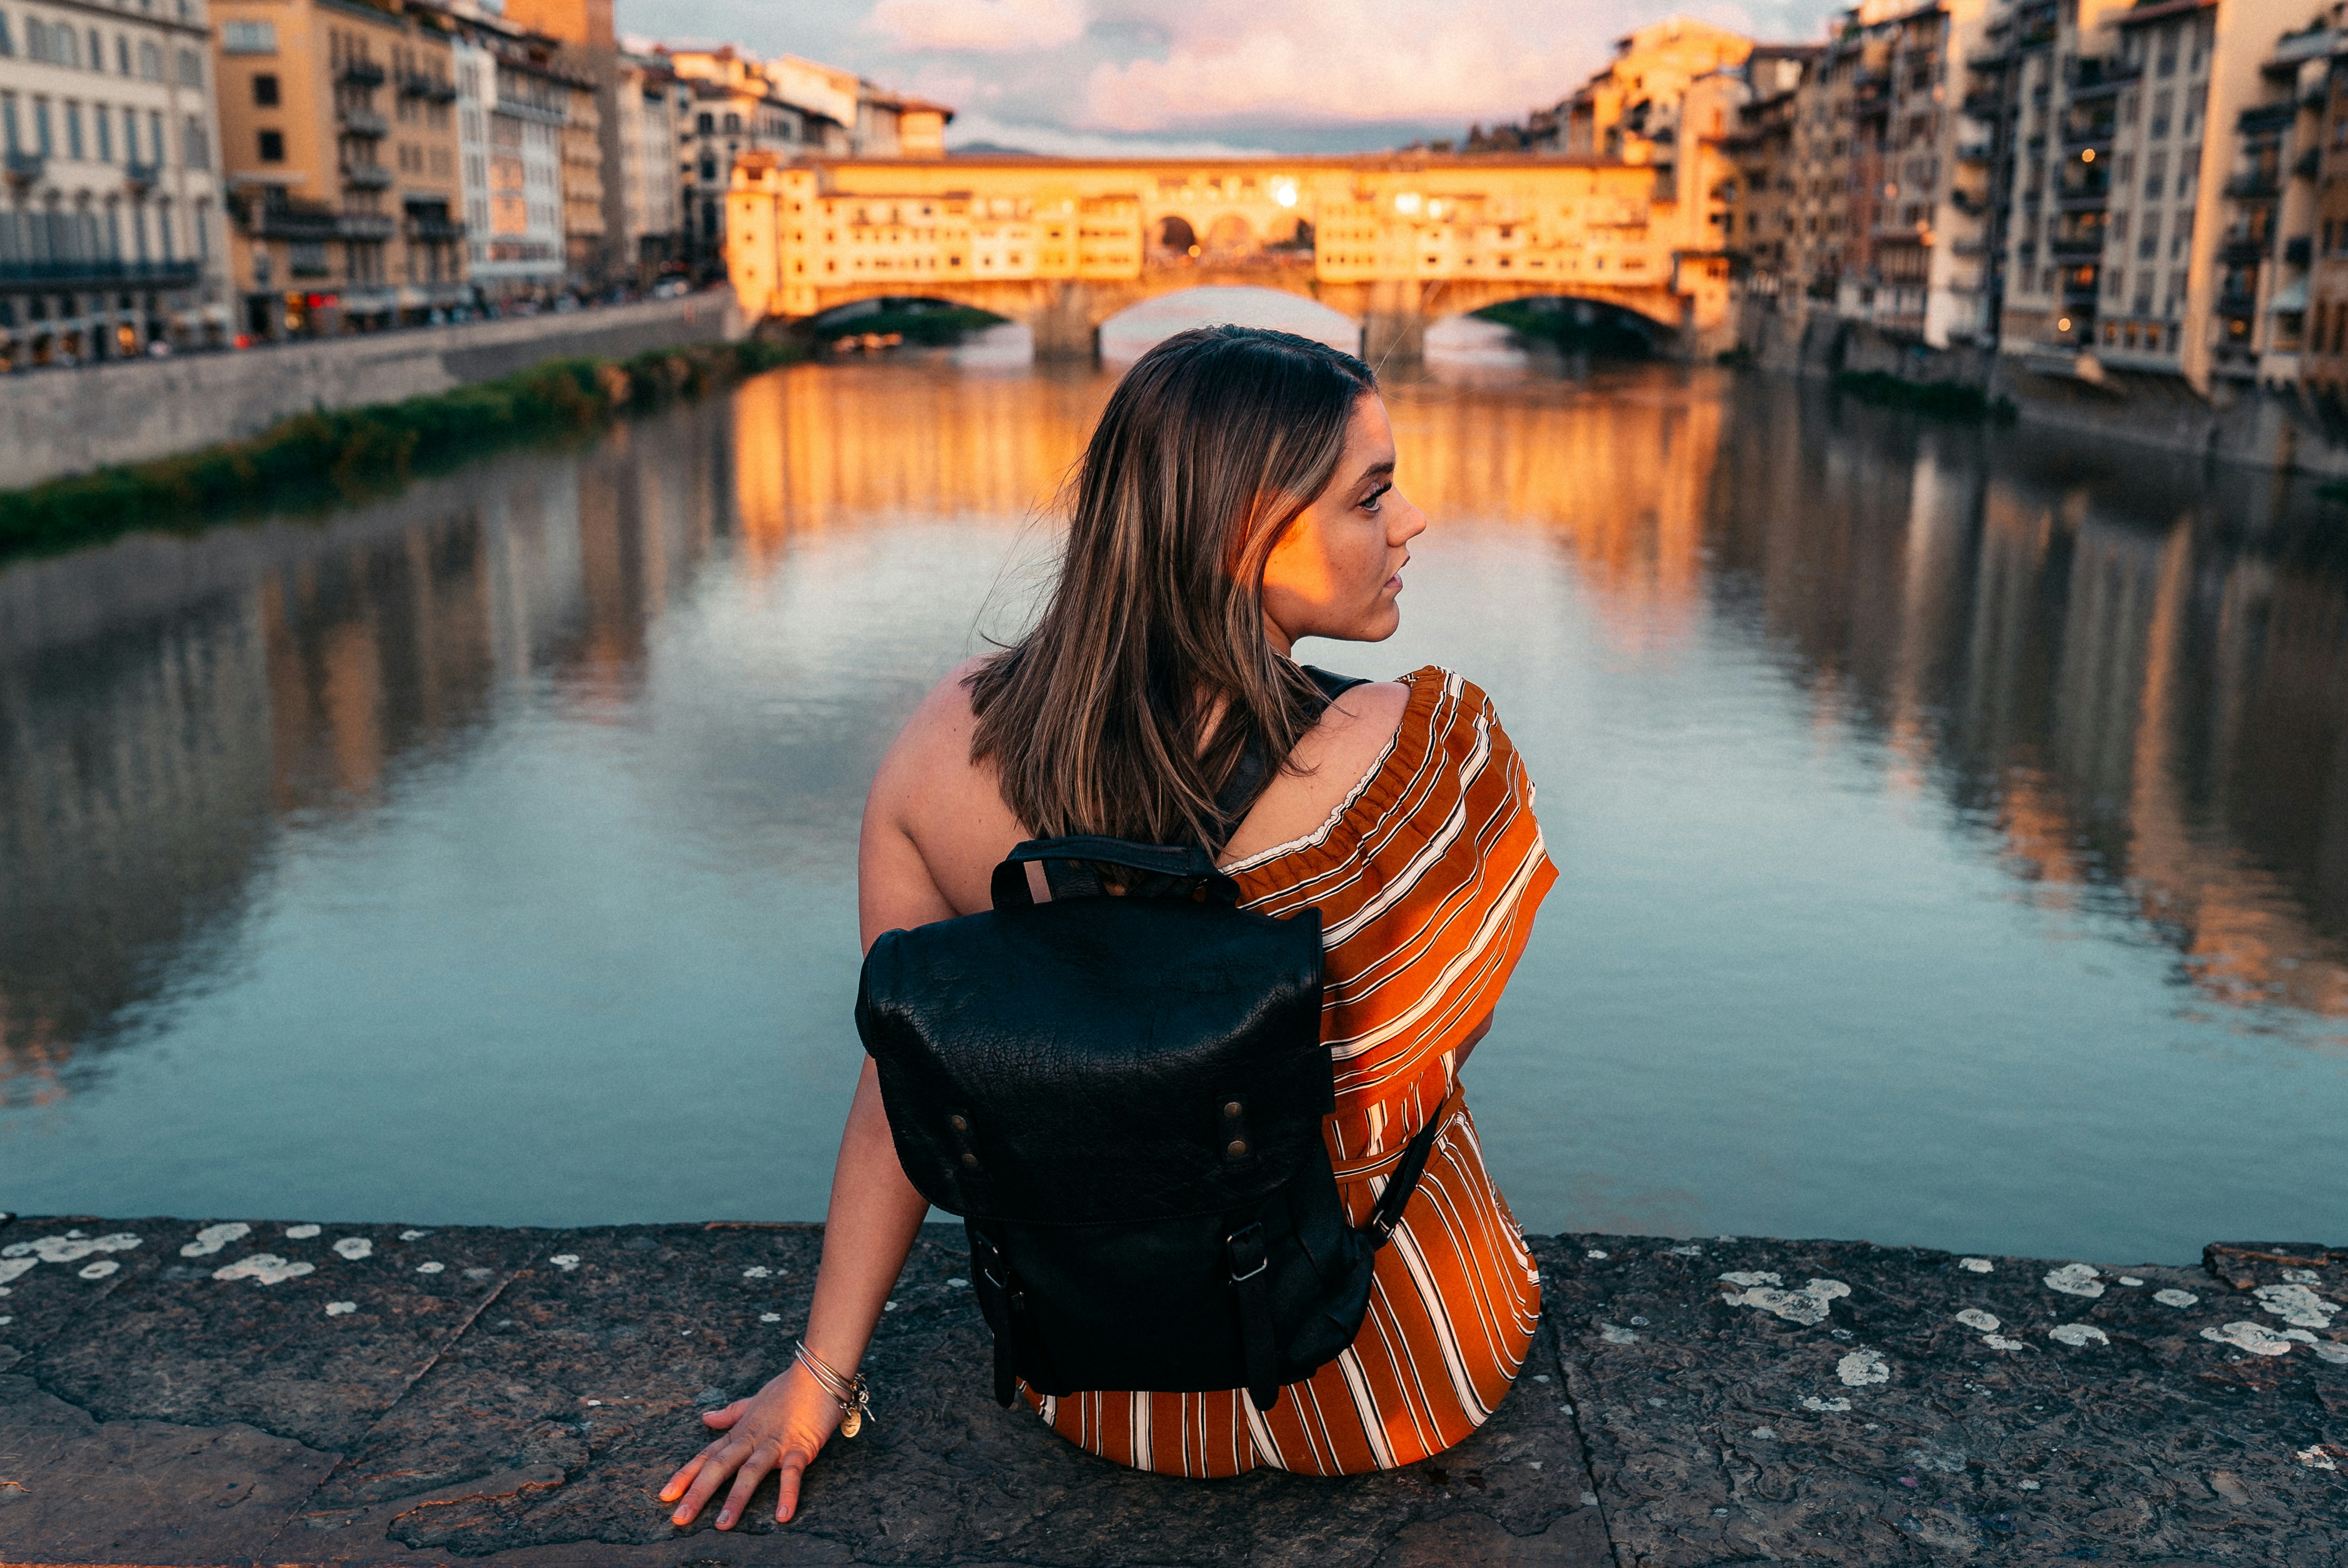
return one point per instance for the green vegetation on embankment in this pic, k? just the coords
(1940, 399)
(1573, 327)
(320, 457)
(920, 325)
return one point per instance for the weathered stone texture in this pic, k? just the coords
(522, 1404)
(1887, 1431)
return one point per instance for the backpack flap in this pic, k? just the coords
(1099, 1059)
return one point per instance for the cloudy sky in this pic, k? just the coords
(1092, 77)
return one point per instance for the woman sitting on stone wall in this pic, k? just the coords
(1239, 494)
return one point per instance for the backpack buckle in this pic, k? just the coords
(1245, 1245)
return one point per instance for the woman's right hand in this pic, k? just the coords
(781, 1427)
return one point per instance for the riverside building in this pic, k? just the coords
(651, 194)
(111, 238)
(339, 139)
(513, 101)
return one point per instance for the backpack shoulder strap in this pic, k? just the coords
(1255, 772)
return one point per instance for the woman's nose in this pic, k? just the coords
(1409, 523)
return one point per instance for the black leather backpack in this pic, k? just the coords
(1122, 1095)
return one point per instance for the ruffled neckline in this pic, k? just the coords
(1378, 785)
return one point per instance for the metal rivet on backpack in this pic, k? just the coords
(959, 1123)
(1231, 1107)
(1238, 1147)
(969, 1162)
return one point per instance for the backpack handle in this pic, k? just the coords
(1067, 867)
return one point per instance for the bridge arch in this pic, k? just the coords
(1129, 333)
(1575, 324)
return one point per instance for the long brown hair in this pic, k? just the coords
(1098, 720)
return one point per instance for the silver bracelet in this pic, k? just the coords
(854, 1395)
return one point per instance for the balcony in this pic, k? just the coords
(364, 226)
(2085, 196)
(1983, 106)
(288, 220)
(362, 73)
(1968, 203)
(2078, 289)
(2238, 251)
(364, 122)
(367, 176)
(1975, 152)
(2308, 165)
(25, 167)
(2267, 118)
(2298, 251)
(2091, 80)
(2260, 185)
(2077, 246)
(141, 176)
(92, 274)
(2237, 301)
(435, 230)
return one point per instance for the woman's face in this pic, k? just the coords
(1338, 568)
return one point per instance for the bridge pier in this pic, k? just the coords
(1393, 323)
(1062, 321)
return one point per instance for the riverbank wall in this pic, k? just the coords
(2256, 426)
(197, 1393)
(58, 423)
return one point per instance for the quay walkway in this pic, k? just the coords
(189, 1393)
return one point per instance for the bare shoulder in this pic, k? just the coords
(1333, 757)
(930, 804)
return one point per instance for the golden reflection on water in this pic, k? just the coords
(2143, 716)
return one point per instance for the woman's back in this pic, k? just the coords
(935, 823)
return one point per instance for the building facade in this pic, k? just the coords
(111, 233)
(652, 197)
(340, 143)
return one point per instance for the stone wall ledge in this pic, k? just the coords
(55, 423)
(193, 1393)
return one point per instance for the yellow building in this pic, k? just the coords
(340, 148)
(1397, 239)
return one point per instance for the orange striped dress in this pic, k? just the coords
(1427, 877)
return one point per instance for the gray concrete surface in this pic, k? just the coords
(61, 422)
(470, 1395)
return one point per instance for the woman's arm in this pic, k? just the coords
(874, 1213)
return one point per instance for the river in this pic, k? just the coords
(1953, 825)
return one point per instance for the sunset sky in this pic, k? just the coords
(1103, 75)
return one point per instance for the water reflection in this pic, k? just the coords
(544, 769)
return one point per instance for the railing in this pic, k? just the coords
(365, 226)
(1975, 152)
(156, 274)
(141, 176)
(363, 73)
(367, 176)
(2077, 245)
(364, 122)
(435, 230)
(2083, 195)
(2260, 118)
(25, 168)
(2242, 252)
(2237, 301)
(2257, 186)
(2077, 288)
(2309, 164)
(279, 221)
(2298, 251)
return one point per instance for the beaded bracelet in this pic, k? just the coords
(854, 1395)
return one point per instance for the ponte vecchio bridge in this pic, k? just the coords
(1393, 241)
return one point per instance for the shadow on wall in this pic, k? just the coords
(1133, 331)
